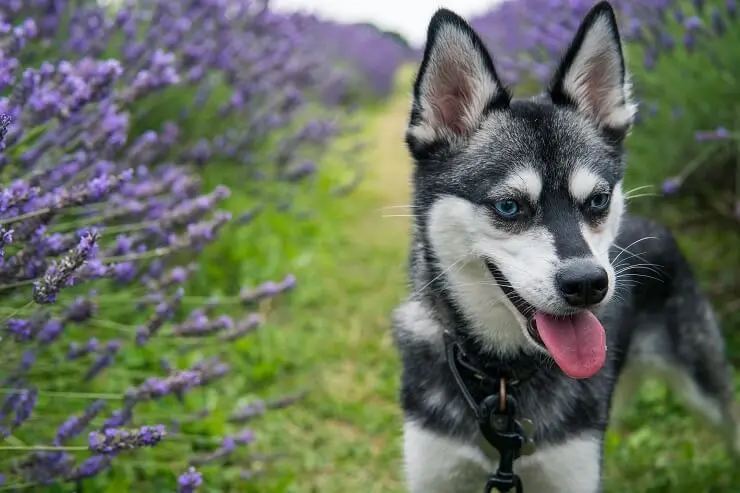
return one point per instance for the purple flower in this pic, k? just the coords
(244, 437)
(199, 326)
(119, 418)
(248, 412)
(671, 185)
(80, 310)
(692, 23)
(103, 361)
(19, 329)
(720, 133)
(243, 327)
(57, 276)
(89, 468)
(114, 440)
(44, 467)
(25, 406)
(155, 388)
(77, 351)
(267, 290)
(6, 237)
(75, 425)
(190, 481)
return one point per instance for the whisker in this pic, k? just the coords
(631, 197)
(637, 189)
(626, 249)
(638, 269)
(445, 271)
(643, 275)
(403, 206)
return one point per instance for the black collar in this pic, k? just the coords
(478, 378)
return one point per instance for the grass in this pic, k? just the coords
(331, 336)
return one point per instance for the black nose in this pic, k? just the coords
(583, 284)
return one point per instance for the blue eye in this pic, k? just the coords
(507, 208)
(599, 201)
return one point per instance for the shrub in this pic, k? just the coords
(107, 113)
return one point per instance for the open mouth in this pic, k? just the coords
(533, 333)
(577, 341)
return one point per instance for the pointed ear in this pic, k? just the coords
(592, 75)
(456, 84)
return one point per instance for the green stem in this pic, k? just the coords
(697, 161)
(31, 448)
(64, 227)
(68, 395)
(18, 284)
(17, 310)
(109, 324)
(737, 166)
(16, 487)
(27, 215)
(130, 228)
(157, 252)
(230, 300)
(116, 298)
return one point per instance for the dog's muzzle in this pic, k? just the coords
(525, 309)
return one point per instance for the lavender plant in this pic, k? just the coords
(371, 57)
(238, 61)
(105, 113)
(82, 218)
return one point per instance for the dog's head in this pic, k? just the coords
(519, 201)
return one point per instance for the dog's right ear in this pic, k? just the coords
(592, 77)
(455, 87)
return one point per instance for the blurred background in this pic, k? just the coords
(204, 227)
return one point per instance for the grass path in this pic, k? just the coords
(335, 329)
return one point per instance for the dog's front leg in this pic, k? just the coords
(573, 466)
(437, 463)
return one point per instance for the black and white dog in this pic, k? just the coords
(524, 259)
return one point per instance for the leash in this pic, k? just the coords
(497, 419)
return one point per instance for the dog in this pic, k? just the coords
(524, 260)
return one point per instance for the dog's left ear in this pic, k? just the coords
(592, 75)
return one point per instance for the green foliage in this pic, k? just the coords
(685, 92)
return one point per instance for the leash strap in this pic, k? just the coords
(497, 421)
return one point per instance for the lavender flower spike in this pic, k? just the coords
(190, 481)
(4, 122)
(46, 289)
(76, 424)
(114, 440)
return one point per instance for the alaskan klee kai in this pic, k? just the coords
(524, 259)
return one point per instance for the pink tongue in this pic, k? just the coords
(577, 343)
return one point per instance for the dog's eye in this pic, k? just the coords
(599, 201)
(507, 208)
